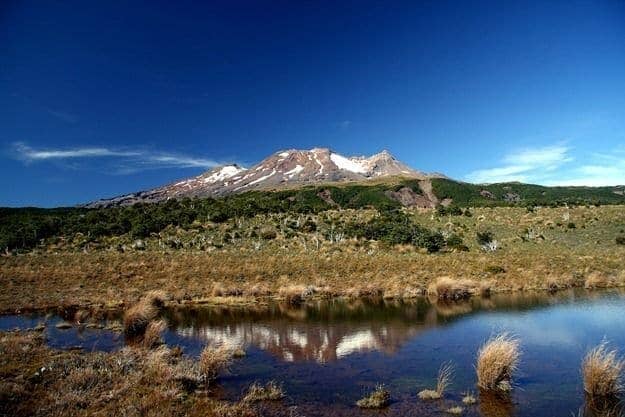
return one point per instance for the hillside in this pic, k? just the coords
(25, 228)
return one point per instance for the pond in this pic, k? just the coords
(330, 353)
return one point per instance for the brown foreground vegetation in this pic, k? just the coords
(38, 381)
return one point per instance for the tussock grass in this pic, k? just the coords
(446, 288)
(126, 382)
(497, 360)
(153, 333)
(138, 318)
(468, 398)
(379, 398)
(445, 376)
(271, 391)
(602, 371)
(455, 410)
(214, 361)
(597, 279)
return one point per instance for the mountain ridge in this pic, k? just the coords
(282, 169)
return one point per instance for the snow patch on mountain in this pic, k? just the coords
(348, 164)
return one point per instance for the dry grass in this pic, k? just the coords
(446, 288)
(602, 370)
(496, 363)
(468, 398)
(214, 361)
(379, 398)
(38, 381)
(597, 280)
(153, 333)
(271, 391)
(445, 375)
(239, 273)
(455, 410)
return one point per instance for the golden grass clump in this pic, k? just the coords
(153, 333)
(602, 370)
(446, 288)
(213, 361)
(379, 398)
(445, 375)
(455, 410)
(271, 391)
(137, 317)
(468, 398)
(497, 360)
(597, 279)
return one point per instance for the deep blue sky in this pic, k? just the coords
(103, 98)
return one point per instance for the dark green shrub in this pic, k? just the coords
(484, 238)
(620, 240)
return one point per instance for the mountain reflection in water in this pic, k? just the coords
(324, 331)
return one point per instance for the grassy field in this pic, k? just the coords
(283, 255)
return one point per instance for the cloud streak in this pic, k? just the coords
(552, 165)
(123, 161)
(526, 165)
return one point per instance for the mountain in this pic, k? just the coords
(281, 170)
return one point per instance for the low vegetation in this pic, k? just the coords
(213, 362)
(379, 398)
(38, 381)
(445, 376)
(497, 360)
(602, 371)
(271, 391)
(346, 252)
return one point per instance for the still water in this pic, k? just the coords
(328, 354)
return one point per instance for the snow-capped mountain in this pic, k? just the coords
(284, 168)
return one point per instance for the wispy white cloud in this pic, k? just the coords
(552, 165)
(122, 161)
(526, 165)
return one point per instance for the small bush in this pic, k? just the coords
(620, 240)
(484, 238)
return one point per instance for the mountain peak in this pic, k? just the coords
(284, 168)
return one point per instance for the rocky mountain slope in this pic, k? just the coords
(282, 169)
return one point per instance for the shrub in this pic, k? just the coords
(571, 225)
(379, 398)
(497, 360)
(620, 240)
(602, 371)
(484, 238)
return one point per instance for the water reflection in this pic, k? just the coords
(326, 331)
